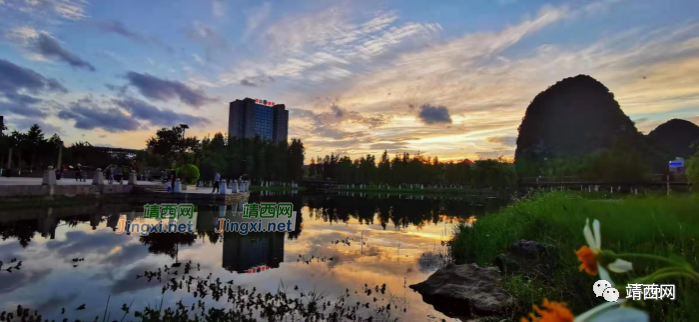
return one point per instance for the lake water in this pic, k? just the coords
(341, 243)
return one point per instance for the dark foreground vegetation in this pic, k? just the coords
(654, 225)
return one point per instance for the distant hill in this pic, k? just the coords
(576, 116)
(676, 136)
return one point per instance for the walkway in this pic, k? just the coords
(20, 181)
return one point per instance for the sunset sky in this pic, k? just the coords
(446, 78)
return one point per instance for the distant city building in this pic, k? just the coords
(249, 117)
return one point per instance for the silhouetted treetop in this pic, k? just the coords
(680, 138)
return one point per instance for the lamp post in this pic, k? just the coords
(183, 127)
(60, 154)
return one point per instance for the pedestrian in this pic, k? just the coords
(120, 173)
(110, 176)
(78, 173)
(173, 174)
(217, 182)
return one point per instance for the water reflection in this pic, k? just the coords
(253, 252)
(391, 240)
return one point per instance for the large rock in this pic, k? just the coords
(527, 257)
(464, 290)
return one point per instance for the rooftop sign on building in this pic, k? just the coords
(263, 102)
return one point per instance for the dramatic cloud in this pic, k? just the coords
(22, 109)
(257, 81)
(434, 114)
(41, 43)
(88, 117)
(14, 79)
(14, 82)
(48, 46)
(324, 45)
(155, 116)
(118, 28)
(164, 90)
(503, 140)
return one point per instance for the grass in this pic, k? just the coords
(659, 225)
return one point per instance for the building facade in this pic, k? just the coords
(249, 117)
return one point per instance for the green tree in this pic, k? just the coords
(296, 158)
(169, 144)
(620, 164)
(384, 171)
(189, 173)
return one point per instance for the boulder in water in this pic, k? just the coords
(464, 290)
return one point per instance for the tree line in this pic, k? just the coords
(404, 168)
(256, 158)
(620, 163)
(33, 151)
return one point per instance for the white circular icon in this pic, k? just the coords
(600, 286)
(611, 294)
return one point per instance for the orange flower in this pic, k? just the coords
(588, 259)
(552, 312)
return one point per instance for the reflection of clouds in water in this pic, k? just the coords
(18, 279)
(55, 302)
(115, 260)
(80, 242)
(10, 250)
(129, 283)
(126, 255)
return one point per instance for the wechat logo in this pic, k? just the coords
(604, 288)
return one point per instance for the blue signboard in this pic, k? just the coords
(676, 164)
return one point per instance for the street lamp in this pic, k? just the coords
(183, 127)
